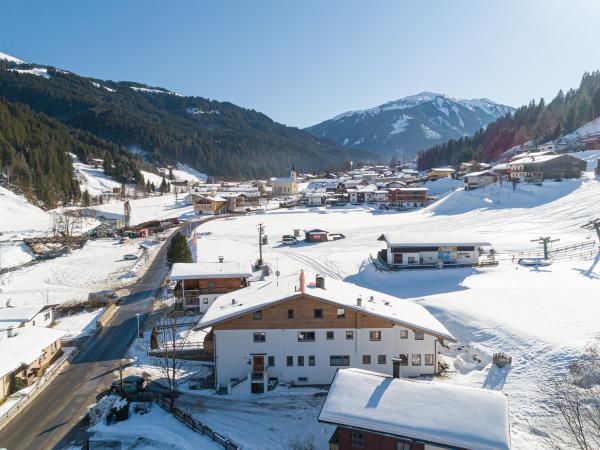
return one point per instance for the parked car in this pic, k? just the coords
(130, 257)
(132, 384)
(289, 240)
(123, 240)
(105, 297)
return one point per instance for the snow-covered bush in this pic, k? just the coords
(99, 411)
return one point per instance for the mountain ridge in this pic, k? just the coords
(407, 125)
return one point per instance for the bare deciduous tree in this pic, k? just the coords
(575, 397)
(172, 339)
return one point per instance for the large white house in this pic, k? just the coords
(289, 330)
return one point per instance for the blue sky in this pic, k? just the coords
(302, 62)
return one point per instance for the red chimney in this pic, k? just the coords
(302, 281)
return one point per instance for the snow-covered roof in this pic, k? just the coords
(410, 189)
(431, 412)
(479, 174)
(19, 314)
(533, 159)
(281, 180)
(442, 169)
(266, 293)
(25, 346)
(209, 269)
(437, 239)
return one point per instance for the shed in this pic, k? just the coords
(316, 235)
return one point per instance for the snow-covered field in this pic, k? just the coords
(541, 317)
(151, 208)
(156, 429)
(98, 265)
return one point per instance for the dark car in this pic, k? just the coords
(131, 384)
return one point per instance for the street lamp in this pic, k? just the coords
(138, 323)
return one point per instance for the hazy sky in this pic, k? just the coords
(303, 62)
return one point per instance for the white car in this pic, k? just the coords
(289, 240)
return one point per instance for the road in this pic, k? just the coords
(53, 417)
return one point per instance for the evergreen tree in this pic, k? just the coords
(163, 186)
(85, 198)
(179, 251)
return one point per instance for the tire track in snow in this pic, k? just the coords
(313, 264)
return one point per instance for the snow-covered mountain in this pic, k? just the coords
(413, 123)
(12, 59)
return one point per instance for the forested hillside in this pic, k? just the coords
(218, 138)
(34, 154)
(537, 121)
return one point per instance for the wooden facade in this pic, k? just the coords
(349, 439)
(276, 316)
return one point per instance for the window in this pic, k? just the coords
(416, 359)
(303, 379)
(349, 335)
(300, 361)
(358, 439)
(418, 335)
(381, 359)
(339, 360)
(402, 445)
(429, 359)
(366, 359)
(205, 300)
(258, 315)
(271, 361)
(403, 357)
(260, 336)
(318, 313)
(290, 313)
(306, 336)
(46, 316)
(374, 335)
(289, 361)
(403, 334)
(341, 313)
(329, 335)
(311, 360)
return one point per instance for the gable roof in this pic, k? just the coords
(25, 346)
(209, 269)
(20, 314)
(431, 412)
(262, 294)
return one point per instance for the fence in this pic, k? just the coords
(196, 425)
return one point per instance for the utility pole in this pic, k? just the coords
(545, 241)
(593, 225)
(121, 376)
(261, 230)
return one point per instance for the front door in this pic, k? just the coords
(258, 363)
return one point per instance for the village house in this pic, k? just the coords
(197, 285)
(27, 346)
(549, 166)
(315, 198)
(367, 194)
(290, 330)
(240, 201)
(413, 197)
(471, 166)
(285, 186)
(475, 180)
(440, 172)
(406, 250)
(375, 411)
(209, 204)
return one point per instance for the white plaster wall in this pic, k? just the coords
(234, 347)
